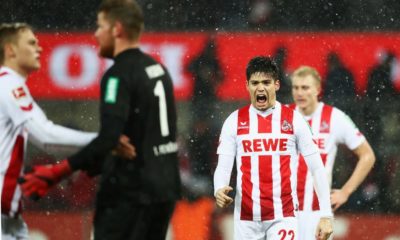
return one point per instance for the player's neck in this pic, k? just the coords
(14, 66)
(123, 44)
(310, 109)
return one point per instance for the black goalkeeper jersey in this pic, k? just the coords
(136, 100)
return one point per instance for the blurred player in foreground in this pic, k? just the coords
(21, 117)
(330, 127)
(265, 138)
(136, 198)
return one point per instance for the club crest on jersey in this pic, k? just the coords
(286, 126)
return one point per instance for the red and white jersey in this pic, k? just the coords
(266, 146)
(330, 127)
(16, 106)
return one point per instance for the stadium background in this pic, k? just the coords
(362, 33)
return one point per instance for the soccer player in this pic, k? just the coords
(265, 138)
(136, 198)
(330, 127)
(20, 116)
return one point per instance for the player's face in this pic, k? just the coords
(104, 36)
(262, 89)
(27, 52)
(305, 91)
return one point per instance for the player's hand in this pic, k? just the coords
(324, 229)
(37, 182)
(338, 198)
(124, 148)
(222, 198)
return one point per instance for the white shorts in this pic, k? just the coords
(281, 229)
(13, 228)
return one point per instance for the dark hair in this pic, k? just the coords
(127, 12)
(9, 34)
(262, 64)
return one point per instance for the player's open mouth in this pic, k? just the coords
(261, 98)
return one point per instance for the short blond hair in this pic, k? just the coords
(304, 71)
(9, 34)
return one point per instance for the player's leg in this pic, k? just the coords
(248, 230)
(115, 221)
(308, 222)
(13, 228)
(283, 229)
(159, 216)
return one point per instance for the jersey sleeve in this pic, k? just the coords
(17, 102)
(304, 137)
(347, 132)
(227, 139)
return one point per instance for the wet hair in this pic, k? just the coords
(127, 12)
(262, 64)
(9, 34)
(304, 71)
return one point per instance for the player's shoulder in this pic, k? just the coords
(10, 82)
(336, 112)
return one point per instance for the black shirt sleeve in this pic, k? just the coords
(114, 110)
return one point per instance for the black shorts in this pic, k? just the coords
(132, 221)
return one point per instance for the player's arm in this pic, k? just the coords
(222, 177)
(366, 160)
(54, 138)
(226, 157)
(354, 140)
(114, 112)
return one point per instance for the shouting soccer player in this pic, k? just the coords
(265, 138)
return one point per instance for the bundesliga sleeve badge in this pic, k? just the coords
(22, 98)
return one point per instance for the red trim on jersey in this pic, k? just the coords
(286, 187)
(246, 212)
(3, 74)
(12, 174)
(27, 108)
(286, 120)
(326, 119)
(291, 106)
(266, 185)
(315, 202)
(264, 124)
(243, 125)
(301, 181)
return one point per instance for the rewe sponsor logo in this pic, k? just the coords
(264, 144)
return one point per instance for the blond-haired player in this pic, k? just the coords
(330, 127)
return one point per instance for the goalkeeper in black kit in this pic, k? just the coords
(136, 196)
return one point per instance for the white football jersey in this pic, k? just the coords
(18, 114)
(266, 147)
(16, 106)
(330, 127)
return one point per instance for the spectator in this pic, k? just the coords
(340, 88)
(207, 75)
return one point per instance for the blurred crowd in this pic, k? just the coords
(236, 15)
